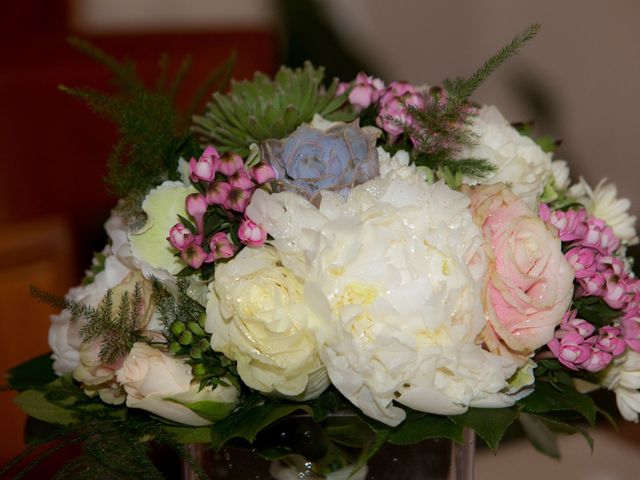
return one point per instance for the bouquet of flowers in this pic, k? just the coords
(392, 250)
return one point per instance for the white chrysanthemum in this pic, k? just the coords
(258, 318)
(149, 245)
(393, 274)
(519, 161)
(398, 167)
(603, 202)
(623, 377)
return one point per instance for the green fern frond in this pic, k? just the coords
(262, 108)
(460, 89)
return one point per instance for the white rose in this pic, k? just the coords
(394, 276)
(257, 317)
(603, 202)
(519, 161)
(97, 378)
(152, 379)
(149, 245)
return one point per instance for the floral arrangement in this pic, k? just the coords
(393, 250)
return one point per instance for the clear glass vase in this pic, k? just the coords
(298, 450)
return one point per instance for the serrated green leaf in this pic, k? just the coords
(187, 435)
(32, 373)
(489, 423)
(540, 435)
(558, 426)
(595, 310)
(547, 398)
(418, 427)
(35, 404)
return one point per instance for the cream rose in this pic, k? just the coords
(530, 284)
(519, 161)
(257, 317)
(162, 384)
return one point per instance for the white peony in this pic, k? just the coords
(398, 167)
(149, 245)
(393, 275)
(623, 377)
(258, 318)
(519, 161)
(161, 384)
(603, 202)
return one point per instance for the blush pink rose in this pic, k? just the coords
(530, 283)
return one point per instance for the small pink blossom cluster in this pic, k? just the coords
(578, 345)
(591, 248)
(227, 184)
(393, 101)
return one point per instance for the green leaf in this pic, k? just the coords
(595, 310)
(418, 427)
(489, 423)
(247, 422)
(187, 435)
(36, 404)
(547, 398)
(32, 373)
(212, 411)
(540, 435)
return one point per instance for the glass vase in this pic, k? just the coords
(299, 449)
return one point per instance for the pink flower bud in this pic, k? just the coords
(571, 225)
(238, 199)
(217, 193)
(240, 179)
(630, 326)
(262, 173)
(251, 234)
(196, 205)
(583, 261)
(204, 169)
(599, 235)
(365, 92)
(230, 163)
(194, 255)
(221, 247)
(394, 117)
(180, 237)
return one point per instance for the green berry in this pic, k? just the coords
(196, 353)
(199, 370)
(196, 329)
(204, 344)
(202, 319)
(177, 328)
(186, 338)
(174, 347)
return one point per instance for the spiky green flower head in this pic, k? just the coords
(262, 108)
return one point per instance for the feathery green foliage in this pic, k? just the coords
(153, 133)
(441, 127)
(263, 108)
(184, 320)
(116, 330)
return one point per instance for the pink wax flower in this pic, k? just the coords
(365, 92)
(610, 340)
(570, 323)
(196, 205)
(583, 261)
(221, 247)
(600, 236)
(394, 117)
(571, 350)
(598, 361)
(194, 255)
(630, 326)
(262, 173)
(240, 179)
(571, 225)
(180, 237)
(529, 284)
(230, 163)
(218, 193)
(204, 169)
(251, 234)
(238, 199)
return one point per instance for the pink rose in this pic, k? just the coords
(530, 283)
